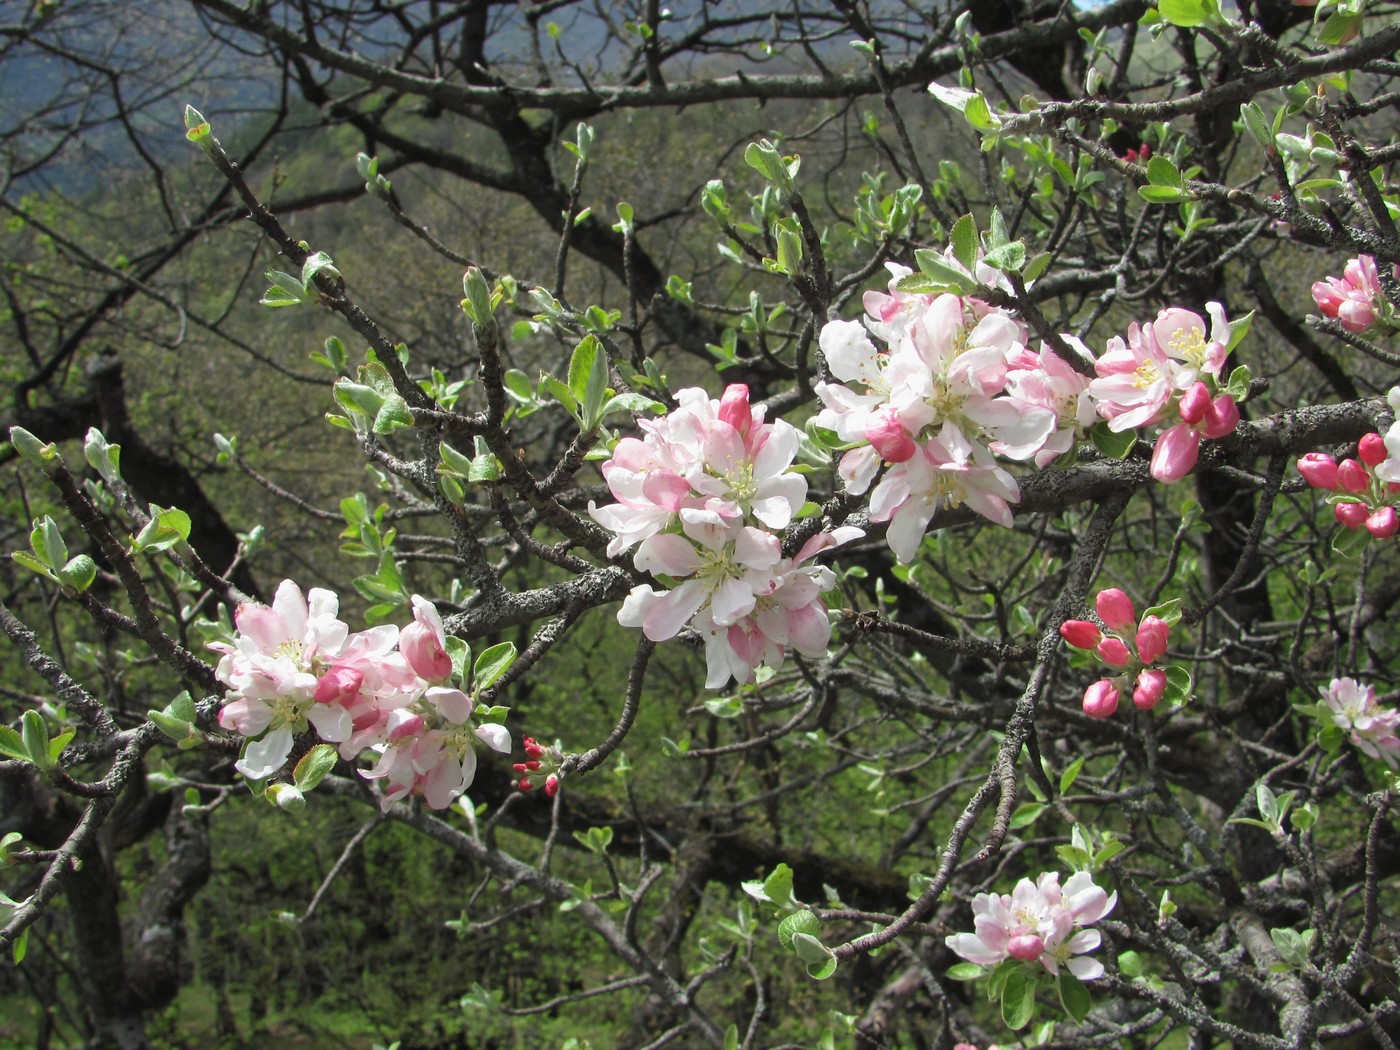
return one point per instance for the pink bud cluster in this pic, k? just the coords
(541, 767)
(934, 387)
(1355, 300)
(703, 495)
(1149, 645)
(1366, 488)
(383, 691)
(1039, 922)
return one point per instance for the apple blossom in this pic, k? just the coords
(1101, 699)
(1352, 299)
(1383, 523)
(1038, 922)
(1352, 515)
(1152, 639)
(1372, 728)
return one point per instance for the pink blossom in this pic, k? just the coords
(1177, 449)
(1101, 699)
(1352, 299)
(1372, 727)
(1134, 382)
(1115, 609)
(1038, 922)
(423, 643)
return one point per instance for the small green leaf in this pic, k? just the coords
(314, 766)
(966, 971)
(491, 664)
(1018, 999)
(12, 744)
(78, 573)
(1113, 445)
(1071, 774)
(1026, 814)
(1130, 964)
(36, 739)
(821, 971)
(809, 949)
(798, 922)
(1074, 997)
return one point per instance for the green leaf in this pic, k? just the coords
(1258, 125)
(36, 739)
(1010, 256)
(78, 573)
(1026, 814)
(1113, 445)
(21, 943)
(12, 744)
(809, 949)
(1037, 266)
(939, 272)
(393, 415)
(966, 971)
(1188, 13)
(630, 402)
(314, 766)
(1074, 997)
(1162, 172)
(1349, 543)
(1071, 774)
(798, 922)
(491, 664)
(1018, 999)
(1340, 26)
(1179, 686)
(821, 971)
(964, 241)
(1163, 194)
(317, 263)
(1130, 964)
(1170, 611)
(32, 563)
(47, 543)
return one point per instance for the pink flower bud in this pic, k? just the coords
(1101, 699)
(1113, 652)
(1152, 639)
(1383, 523)
(734, 407)
(1115, 609)
(1222, 417)
(525, 784)
(339, 685)
(1352, 515)
(1145, 152)
(551, 785)
(890, 438)
(1194, 403)
(1371, 450)
(1151, 684)
(1319, 470)
(420, 647)
(1352, 476)
(1025, 946)
(1081, 633)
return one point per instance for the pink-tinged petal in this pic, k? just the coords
(731, 600)
(857, 469)
(1025, 946)
(247, 716)
(1175, 453)
(734, 407)
(756, 549)
(837, 537)
(973, 950)
(667, 554)
(419, 645)
(260, 625)
(496, 737)
(666, 489)
(1084, 968)
(637, 604)
(455, 705)
(669, 613)
(290, 606)
(1151, 686)
(1113, 651)
(332, 722)
(264, 757)
(1194, 402)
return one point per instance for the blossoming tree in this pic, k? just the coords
(965, 458)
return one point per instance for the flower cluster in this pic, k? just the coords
(1369, 726)
(1149, 645)
(541, 767)
(387, 691)
(702, 496)
(1355, 299)
(1366, 488)
(934, 387)
(1040, 922)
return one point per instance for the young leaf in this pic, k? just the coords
(314, 766)
(491, 664)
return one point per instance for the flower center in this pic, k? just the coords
(1189, 345)
(1147, 373)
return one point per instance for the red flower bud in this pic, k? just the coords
(551, 785)
(1115, 609)
(1383, 523)
(1352, 476)
(1113, 652)
(1101, 699)
(525, 784)
(1151, 684)
(1081, 633)
(1319, 470)
(1371, 450)
(1194, 403)
(1152, 639)
(1352, 515)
